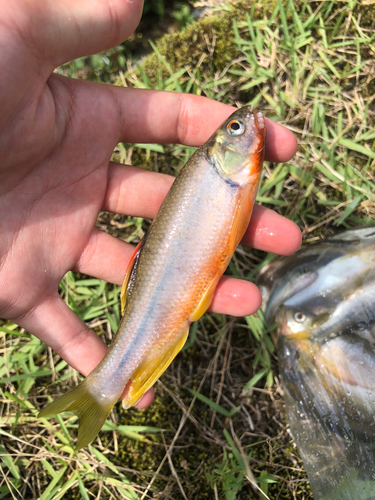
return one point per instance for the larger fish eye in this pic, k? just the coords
(235, 127)
(299, 317)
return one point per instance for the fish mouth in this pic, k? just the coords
(256, 152)
(260, 122)
(300, 335)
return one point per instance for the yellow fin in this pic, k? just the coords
(206, 300)
(151, 369)
(91, 413)
(130, 274)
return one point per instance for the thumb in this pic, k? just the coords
(62, 30)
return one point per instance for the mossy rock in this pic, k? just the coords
(209, 43)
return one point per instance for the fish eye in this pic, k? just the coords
(299, 317)
(235, 127)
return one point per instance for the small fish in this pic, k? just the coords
(323, 301)
(174, 271)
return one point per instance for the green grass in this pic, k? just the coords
(217, 428)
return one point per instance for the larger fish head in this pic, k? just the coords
(299, 322)
(278, 287)
(236, 149)
(321, 274)
(294, 324)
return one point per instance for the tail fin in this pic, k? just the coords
(91, 413)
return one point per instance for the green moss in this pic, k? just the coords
(209, 41)
(213, 37)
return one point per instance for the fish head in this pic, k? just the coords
(293, 323)
(236, 149)
(300, 322)
(277, 289)
(309, 275)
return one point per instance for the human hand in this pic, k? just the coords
(57, 137)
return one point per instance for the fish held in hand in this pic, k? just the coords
(174, 271)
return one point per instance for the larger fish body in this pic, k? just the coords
(323, 301)
(173, 274)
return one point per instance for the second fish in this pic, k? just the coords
(172, 277)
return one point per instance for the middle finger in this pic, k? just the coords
(139, 193)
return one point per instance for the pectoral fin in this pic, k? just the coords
(130, 274)
(151, 369)
(242, 216)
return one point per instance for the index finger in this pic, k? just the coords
(171, 117)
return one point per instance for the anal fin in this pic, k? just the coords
(151, 369)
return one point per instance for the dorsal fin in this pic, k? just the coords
(130, 274)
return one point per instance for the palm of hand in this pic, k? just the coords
(59, 198)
